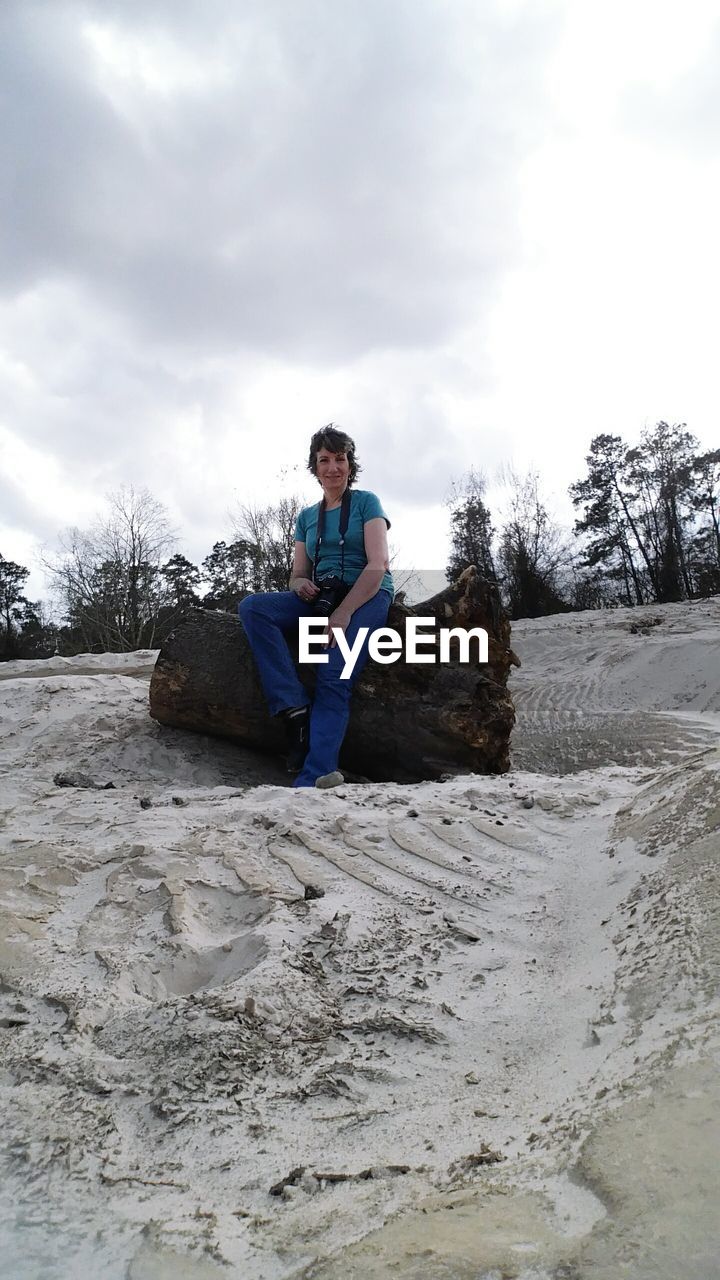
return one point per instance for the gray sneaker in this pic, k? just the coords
(334, 779)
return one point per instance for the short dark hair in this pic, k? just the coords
(336, 441)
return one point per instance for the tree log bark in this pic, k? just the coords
(408, 722)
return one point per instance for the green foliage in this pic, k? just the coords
(471, 531)
(182, 580)
(13, 606)
(23, 634)
(650, 515)
(529, 559)
(230, 572)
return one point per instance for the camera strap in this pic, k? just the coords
(344, 522)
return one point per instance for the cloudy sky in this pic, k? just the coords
(469, 231)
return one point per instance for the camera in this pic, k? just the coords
(332, 592)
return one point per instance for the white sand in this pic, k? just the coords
(182, 1029)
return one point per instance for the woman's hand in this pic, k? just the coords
(339, 620)
(305, 589)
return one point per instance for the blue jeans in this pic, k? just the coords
(267, 617)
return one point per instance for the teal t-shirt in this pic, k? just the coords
(363, 506)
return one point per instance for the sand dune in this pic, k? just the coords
(627, 687)
(244, 1027)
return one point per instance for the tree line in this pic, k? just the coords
(647, 531)
(121, 585)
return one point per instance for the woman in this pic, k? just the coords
(340, 570)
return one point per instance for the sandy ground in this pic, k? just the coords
(465, 1029)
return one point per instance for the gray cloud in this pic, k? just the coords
(318, 188)
(19, 511)
(342, 182)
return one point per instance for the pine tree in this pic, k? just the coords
(471, 531)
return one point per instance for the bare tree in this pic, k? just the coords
(534, 554)
(108, 577)
(270, 534)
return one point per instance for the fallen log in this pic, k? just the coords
(408, 722)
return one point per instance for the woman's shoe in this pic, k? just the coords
(334, 779)
(297, 731)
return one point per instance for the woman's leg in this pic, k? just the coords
(331, 705)
(266, 617)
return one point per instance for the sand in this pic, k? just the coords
(455, 1029)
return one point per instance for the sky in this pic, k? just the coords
(471, 232)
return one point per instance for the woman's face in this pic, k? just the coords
(333, 469)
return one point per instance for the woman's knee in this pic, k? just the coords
(281, 608)
(253, 604)
(247, 607)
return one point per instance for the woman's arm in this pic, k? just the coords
(301, 576)
(368, 584)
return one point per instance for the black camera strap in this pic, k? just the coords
(344, 522)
